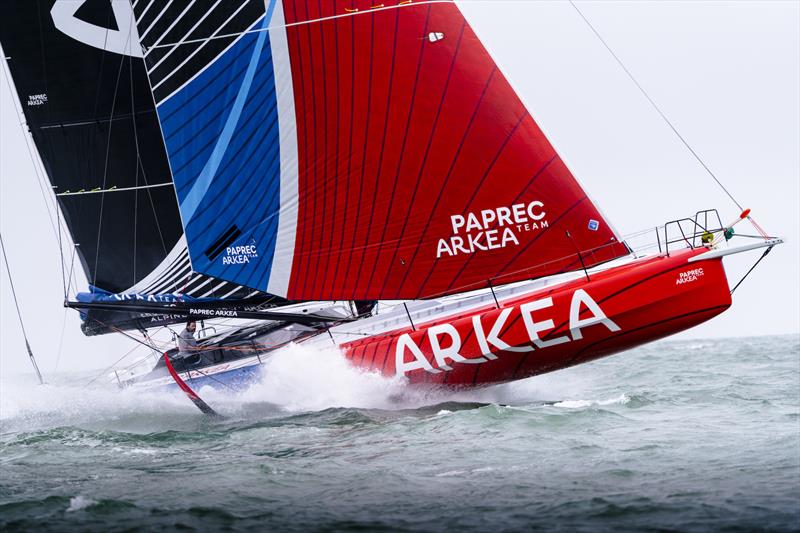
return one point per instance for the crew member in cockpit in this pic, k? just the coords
(187, 344)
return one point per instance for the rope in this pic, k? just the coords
(105, 167)
(767, 251)
(655, 106)
(103, 372)
(374, 9)
(136, 177)
(19, 314)
(71, 275)
(61, 340)
(63, 266)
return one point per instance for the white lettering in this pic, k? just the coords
(519, 213)
(458, 222)
(534, 328)
(689, 276)
(443, 354)
(504, 216)
(472, 222)
(420, 361)
(509, 237)
(37, 99)
(531, 214)
(481, 230)
(580, 297)
(473, 242)
(491, 239)
(443, 247)
(488, 216)
(494, 335)
(458, 245)
(239, 255)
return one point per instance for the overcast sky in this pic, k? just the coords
(727, 74)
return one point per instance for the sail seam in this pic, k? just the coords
(424, 163)
(305, 22)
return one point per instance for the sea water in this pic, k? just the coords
(686, 436)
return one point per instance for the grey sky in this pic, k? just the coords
(726, 73)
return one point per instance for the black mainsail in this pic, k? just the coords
(81, 82)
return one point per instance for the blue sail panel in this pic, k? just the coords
(221, 133)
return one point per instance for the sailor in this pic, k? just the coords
(187, 344)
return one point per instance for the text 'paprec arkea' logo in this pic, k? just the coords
(35, 100)
(490, 229)
(240, 255)
(689, 276)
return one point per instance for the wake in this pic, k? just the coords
(294, 380)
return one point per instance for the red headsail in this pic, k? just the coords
(347, 150)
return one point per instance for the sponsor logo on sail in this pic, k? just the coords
(240, 255)
(490, 229)
(35, 100)
(133, 297)
(124, 40)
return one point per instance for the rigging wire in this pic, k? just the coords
(105, 165)
(655, 106)
(375, 9)
(26, 134)
(38, 168)
(139, 162)
(115, 363)
(61, 257)
(136, 177)
(71, 275)
(61, 340)
(766, 252)
(19, 314)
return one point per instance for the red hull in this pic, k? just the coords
(555, 327)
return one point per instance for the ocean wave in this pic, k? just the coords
(622, 399)
(79, 502)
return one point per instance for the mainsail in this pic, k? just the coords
(80, 77)
(91, 116)
(344, 150)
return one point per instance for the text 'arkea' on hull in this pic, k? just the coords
(333, 173)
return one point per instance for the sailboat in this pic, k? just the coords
(345, 174)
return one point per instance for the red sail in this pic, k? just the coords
(345, 150)
(420, 170)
